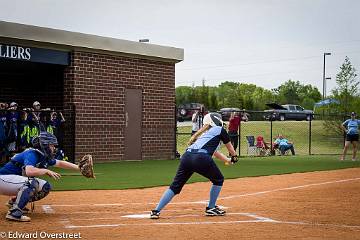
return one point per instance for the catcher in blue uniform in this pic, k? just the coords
(19, 177)
(198, 158)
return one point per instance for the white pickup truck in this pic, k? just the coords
(287, 112)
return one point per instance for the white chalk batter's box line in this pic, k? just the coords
(66, 222)
(256, 219)
(202, 201)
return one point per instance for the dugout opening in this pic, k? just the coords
(26, 82)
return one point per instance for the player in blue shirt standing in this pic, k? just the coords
(351, 128)
(19, 176)
(198, 158)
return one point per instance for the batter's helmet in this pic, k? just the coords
(213, 119)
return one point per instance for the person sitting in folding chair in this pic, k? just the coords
(262, 146)
(284, 145)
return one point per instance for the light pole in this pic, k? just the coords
(324, 78)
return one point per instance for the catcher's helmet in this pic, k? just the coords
(213, 119)
(43, 141)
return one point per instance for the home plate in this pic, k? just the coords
(137, 216)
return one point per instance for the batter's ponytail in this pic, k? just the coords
(198, 133)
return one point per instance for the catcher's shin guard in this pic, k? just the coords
(42, 193)
(11, 202)
(26, 193)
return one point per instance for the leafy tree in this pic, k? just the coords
(184, 94)
(249, 96)
(262, 96)
(347, 93)
(308, 95)
(347, 87)
(204, 94)
(308, 103)
(294, 92)
(288, 92)
(246, 93)
(213, 100)
(227, 94)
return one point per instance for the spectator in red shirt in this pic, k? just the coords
(234, 123)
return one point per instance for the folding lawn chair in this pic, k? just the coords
(252, 149)
(262, 148)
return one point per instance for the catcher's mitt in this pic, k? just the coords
(234, 159)
(86, 166)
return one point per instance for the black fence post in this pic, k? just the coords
(344, 133)
(310, 135)
(176, 133)
(200, 117)
(239, 137)
(271, 134)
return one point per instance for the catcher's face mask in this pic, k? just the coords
(49, 150)
(52, 148)
(48, 142)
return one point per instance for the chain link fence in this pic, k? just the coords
(319, 134)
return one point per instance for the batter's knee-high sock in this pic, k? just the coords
(214, 193)
(165, 199)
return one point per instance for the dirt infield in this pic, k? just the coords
(318, 205)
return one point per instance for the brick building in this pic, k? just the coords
(118, 96)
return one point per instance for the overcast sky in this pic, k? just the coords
(264, 42)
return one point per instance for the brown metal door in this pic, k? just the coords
(133, 110)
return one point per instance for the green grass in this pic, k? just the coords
(151, 173)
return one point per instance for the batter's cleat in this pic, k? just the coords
(10, 204)
(215, 211)
(21, 218)
(154, 214)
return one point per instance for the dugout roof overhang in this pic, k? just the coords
(35, 36)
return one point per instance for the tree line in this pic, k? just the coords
(248, 96)
(252, 97)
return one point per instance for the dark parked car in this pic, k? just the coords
(185, 111)
(287, 112)
(226, 112)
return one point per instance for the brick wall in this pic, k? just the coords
(94, 87)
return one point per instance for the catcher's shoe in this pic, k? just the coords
(154, 214)
(215, 211)
(17, 215)
(10, 204)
